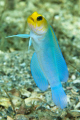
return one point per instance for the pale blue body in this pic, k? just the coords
(48, 65)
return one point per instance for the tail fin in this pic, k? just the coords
(59, 97)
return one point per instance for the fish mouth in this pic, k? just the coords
(32, 19)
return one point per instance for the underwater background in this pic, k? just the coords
(20, 98)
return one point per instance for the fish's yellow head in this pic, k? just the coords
(37, 23)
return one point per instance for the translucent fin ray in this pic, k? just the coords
(61, 64)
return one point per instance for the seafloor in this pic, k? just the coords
(20, 98)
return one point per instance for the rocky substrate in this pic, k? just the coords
(21, 99)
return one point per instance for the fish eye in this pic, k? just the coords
(39, 18)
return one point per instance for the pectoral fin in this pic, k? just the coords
(20, 35)
(37, 73)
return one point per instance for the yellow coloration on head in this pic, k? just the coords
(37, 23)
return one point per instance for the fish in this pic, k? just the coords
(47, 64)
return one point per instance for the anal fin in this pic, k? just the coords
(37, 73)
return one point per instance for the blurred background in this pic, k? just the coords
(62, 15)
(15, 73)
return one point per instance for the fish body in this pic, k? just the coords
(49, 59)
(47, 63)
(52, 64)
